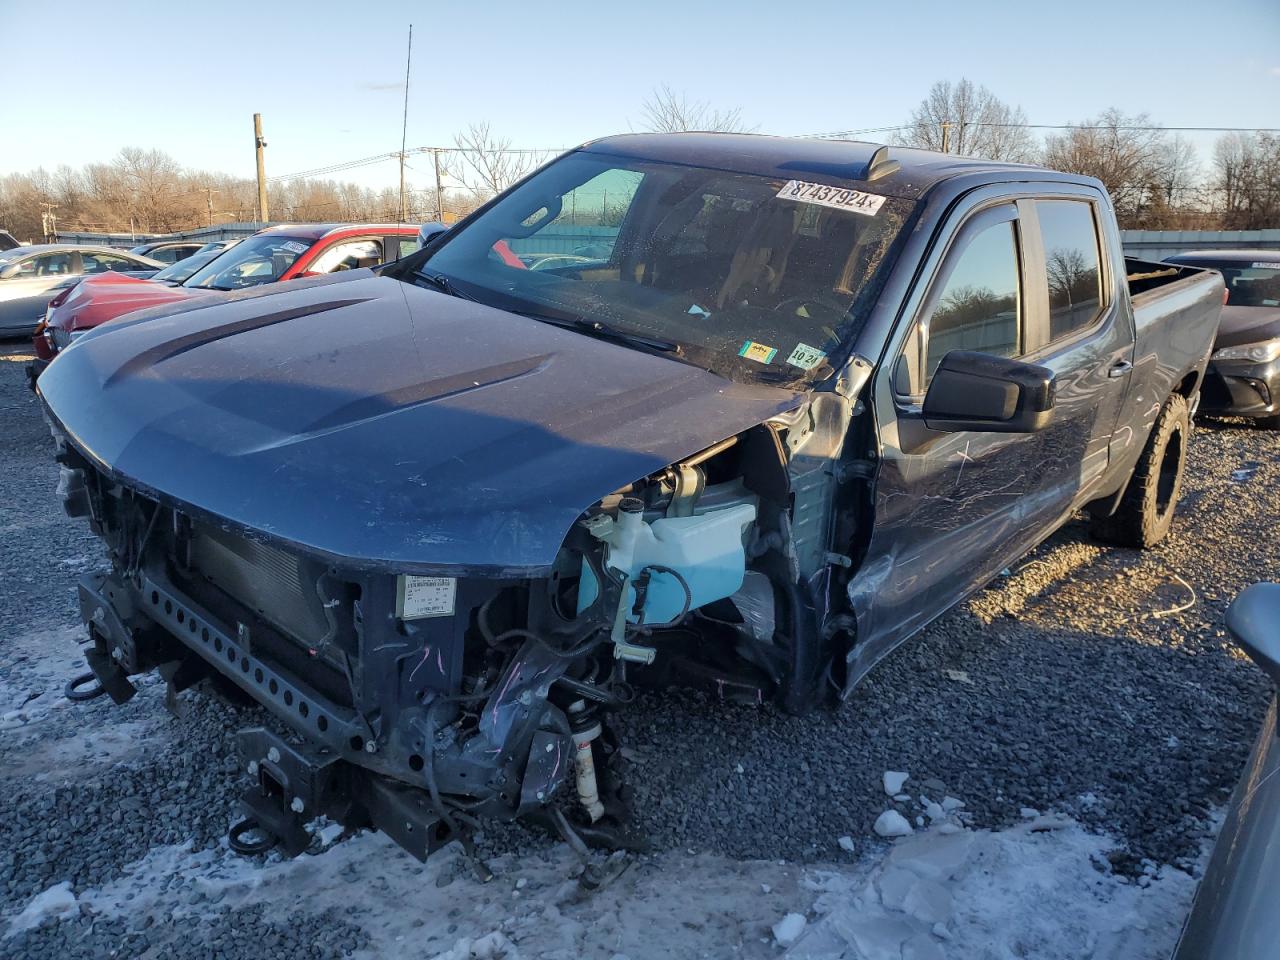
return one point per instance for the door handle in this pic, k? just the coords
(1120, 368)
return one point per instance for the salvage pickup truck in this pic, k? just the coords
(440, 518)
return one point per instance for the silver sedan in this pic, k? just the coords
(32, 276)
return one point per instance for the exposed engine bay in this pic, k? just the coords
(423, 704)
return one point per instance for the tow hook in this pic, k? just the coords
(76, 691)
(236, 838)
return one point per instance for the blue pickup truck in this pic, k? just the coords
(793, 401)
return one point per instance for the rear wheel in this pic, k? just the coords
(1146, 510)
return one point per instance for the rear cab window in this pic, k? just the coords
(1073, 266)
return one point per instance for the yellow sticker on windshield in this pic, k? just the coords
(758, 352)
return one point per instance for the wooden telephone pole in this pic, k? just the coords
(259, 145)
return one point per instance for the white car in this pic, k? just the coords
(31, 276)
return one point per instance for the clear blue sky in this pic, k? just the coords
(85, 79)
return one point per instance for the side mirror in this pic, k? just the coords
(430, 231)
(8, 272)
(1253, 620)
(978, 391)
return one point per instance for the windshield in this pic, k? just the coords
(177, 272)
(1249, 284)
(261, 259)
(755, 277)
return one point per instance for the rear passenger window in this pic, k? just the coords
(1072, 264)
(978, 307)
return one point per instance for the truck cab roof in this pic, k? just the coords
(896, 171)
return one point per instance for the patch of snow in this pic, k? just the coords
(1028, 813)
(892, 824)
(54, 902)
(951, 804)
(893, 781)
(1012, 893)
(846, 844)
(787, 930)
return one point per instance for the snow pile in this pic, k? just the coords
(54, 902)
(1041, 889)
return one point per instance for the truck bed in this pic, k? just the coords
(1148, 276)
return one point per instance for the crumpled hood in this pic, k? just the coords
(1241, 325)
(98, 299)
(383, 424)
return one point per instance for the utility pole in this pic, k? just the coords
(404, 126)
(259, 145)
(208, 200)
(435, 156)
(946, 136)
(49, 222)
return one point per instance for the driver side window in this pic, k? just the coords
(347, 256)
(977, 307)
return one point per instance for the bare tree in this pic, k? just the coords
(1246, 180)
(487, 163)
(970, 121)
(1177, 170)
(1127, 154)
(666, 111)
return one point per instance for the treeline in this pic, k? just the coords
(147, 191)
(1155, 177)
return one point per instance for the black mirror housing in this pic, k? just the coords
(1253, 620)
(978, 391)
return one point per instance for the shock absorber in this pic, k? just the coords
(585, 728)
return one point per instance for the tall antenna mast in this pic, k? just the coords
(404, 126)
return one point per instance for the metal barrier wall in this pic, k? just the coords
(1158, 244)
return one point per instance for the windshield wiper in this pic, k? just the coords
(605, 332)
(444, 285)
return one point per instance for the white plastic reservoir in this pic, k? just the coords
(706, 549)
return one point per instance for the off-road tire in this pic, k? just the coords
(1146, 510)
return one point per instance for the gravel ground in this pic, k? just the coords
(1057, 688)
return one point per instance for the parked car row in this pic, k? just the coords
(31, 276)
(271, 255)
(439, 518)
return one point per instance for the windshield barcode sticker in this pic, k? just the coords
(1266, 266)
(418, 597)
(838, 198)
(293, 246)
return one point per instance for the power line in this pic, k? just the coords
(843, 134)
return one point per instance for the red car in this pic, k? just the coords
(271, 255)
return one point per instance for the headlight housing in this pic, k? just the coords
(1253, 352)
(64, 338)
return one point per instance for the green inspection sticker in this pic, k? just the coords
(806, 357)
(759, 352)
